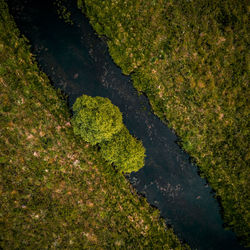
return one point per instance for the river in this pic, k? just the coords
(78, 62)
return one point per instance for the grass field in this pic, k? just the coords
(55, 190)
(191, 59)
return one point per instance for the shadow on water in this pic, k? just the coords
(78, 62)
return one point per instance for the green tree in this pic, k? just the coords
(125, 151)
(96, 119)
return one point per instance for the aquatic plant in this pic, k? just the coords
(62, 11)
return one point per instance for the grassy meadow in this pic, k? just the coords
(191, 59)
(56, 191)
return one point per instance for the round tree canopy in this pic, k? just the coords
(96, 119)
(125, 151)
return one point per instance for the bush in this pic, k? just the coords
(125, 151)
(96, 119)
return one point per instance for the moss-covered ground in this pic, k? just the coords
(56, 191)
(191, 58)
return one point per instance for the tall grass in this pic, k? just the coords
(56, 191)
(191, 59)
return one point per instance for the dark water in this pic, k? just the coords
(78, 62)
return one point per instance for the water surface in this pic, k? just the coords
(78, 62)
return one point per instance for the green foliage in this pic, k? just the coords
(96, 119)
(56, 191)
(191, 59)
(63, 12)
(125, 151)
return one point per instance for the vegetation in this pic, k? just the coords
(56, 191)
(96, 119)
(191, 59)
(62, 11)
(124, 151)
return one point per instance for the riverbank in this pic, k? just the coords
(189, 58)
(56, 190)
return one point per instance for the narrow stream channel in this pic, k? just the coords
(78, 62)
